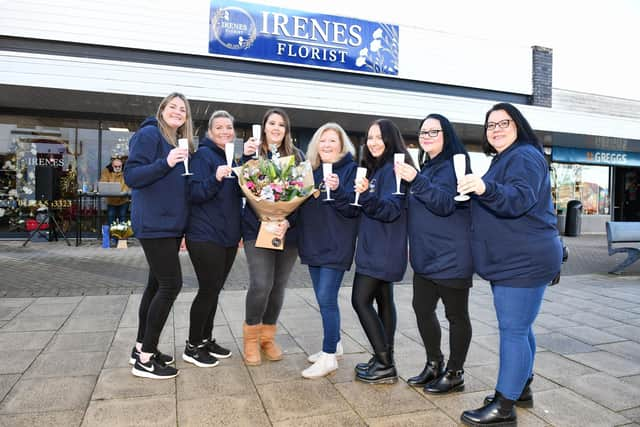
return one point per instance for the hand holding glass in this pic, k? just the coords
(256, 130)
(327, 169)
(460, 167)
(229, 150)
(183, 143)
(360, 174)
(398, 158)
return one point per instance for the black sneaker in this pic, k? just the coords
(153, 369)
(199, 356)
(165, 359)
(215, 350)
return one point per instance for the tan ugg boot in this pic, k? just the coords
(268, 343)
(251, 337)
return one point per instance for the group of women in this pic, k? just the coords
(506, 233)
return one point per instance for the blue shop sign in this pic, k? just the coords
(595, 157)
(264, 33)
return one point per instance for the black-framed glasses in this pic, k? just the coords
(502, 124)
(429, 133)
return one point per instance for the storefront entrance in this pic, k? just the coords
(626, 204)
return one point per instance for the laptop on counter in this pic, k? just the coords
(110, 189)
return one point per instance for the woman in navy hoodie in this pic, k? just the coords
(440, 250)
(516, 247)
(381, 249)
(212, 236)
(327, 236)
(159, 211)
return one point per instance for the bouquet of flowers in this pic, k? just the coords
(121, 230)
(274, 188)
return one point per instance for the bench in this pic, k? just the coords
(624, 232)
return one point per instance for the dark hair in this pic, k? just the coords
(393, 143)
(524, 132)
(450, 143)
(286, 148)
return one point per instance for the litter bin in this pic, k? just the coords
(573, 222)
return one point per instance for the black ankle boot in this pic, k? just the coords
(450, 381)
(432, 370)
(526, 397)
(500, 412)
(382, 371)
(364, 366)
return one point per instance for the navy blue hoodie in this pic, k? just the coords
(439, 228)
(515, 241)
(216, 206)
(159, 193)
(381, 250)
(251, 223)
(327, 230)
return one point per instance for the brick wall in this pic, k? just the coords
(542, 76)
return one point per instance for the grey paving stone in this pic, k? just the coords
(593, 319)
(300, 398)
(553, 322)
(34, 323)
(632, 414)
(557, 368)
(287, 369)
(146, 411)
(236, 410)
(610, 363)
(629, 332)
(606, 390)
(16, 361)
(382, 400)
(48, 394)
(53, 418)
(83, 341)
(10, 307)
(634, 379)
(434, 417)
(628, 349)
(348, 418)
(64, 364)
(57, 300)
(562, 344)
(119, 383)
(591, 335)
(562, 407)
(49, 309)
(24, 340)
(6, 382)
(89, 323)
(224, 379)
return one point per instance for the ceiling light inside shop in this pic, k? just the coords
(119, 129)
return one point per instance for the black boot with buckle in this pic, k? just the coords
(526, 397)
(432, 370)
(450, 381)
(500, 412)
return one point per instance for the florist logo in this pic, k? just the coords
(382, 54)
(233, 27)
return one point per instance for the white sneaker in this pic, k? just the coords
(326, 364)
(315, 356)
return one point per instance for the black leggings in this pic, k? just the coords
(380, 326)
(212, 264)
(426, 294)
(163, 286)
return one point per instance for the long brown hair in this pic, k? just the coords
(286, 148)
(184, 131)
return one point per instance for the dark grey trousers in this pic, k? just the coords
(269, 271)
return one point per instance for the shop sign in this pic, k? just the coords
(264, 33)
(595, 157)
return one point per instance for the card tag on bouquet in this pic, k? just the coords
(267, 238)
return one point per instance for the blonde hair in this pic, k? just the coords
(345, 144)
(217, 114)
(184, 131)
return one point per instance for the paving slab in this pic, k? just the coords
(119, 383)
(606, 390)
(236, 410)
(609, 363)
(381, 400)
(48, 394)
(348, 418)
(144, 411)
(53, 418)
(65, 364)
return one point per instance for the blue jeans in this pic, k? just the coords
(119, 212)
(516, 309)
(326, 284)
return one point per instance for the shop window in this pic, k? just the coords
(587, 183)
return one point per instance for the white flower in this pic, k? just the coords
(19, 175)
(27, 190)
(34, 150)
(375, 45)
(32, 175)
(1, 212)
(364, 51)
(13, 192)
(361, 61)
(377, 33)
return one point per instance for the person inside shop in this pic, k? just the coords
(117, 207)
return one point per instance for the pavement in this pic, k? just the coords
(68, 318)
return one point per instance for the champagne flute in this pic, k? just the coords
(229, 150)
(327, 169)
(256, 130)
(184, 144)
(398, 158)
(460, 167)
(360, 174)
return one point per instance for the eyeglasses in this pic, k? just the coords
(502, 124)
(430, 133)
